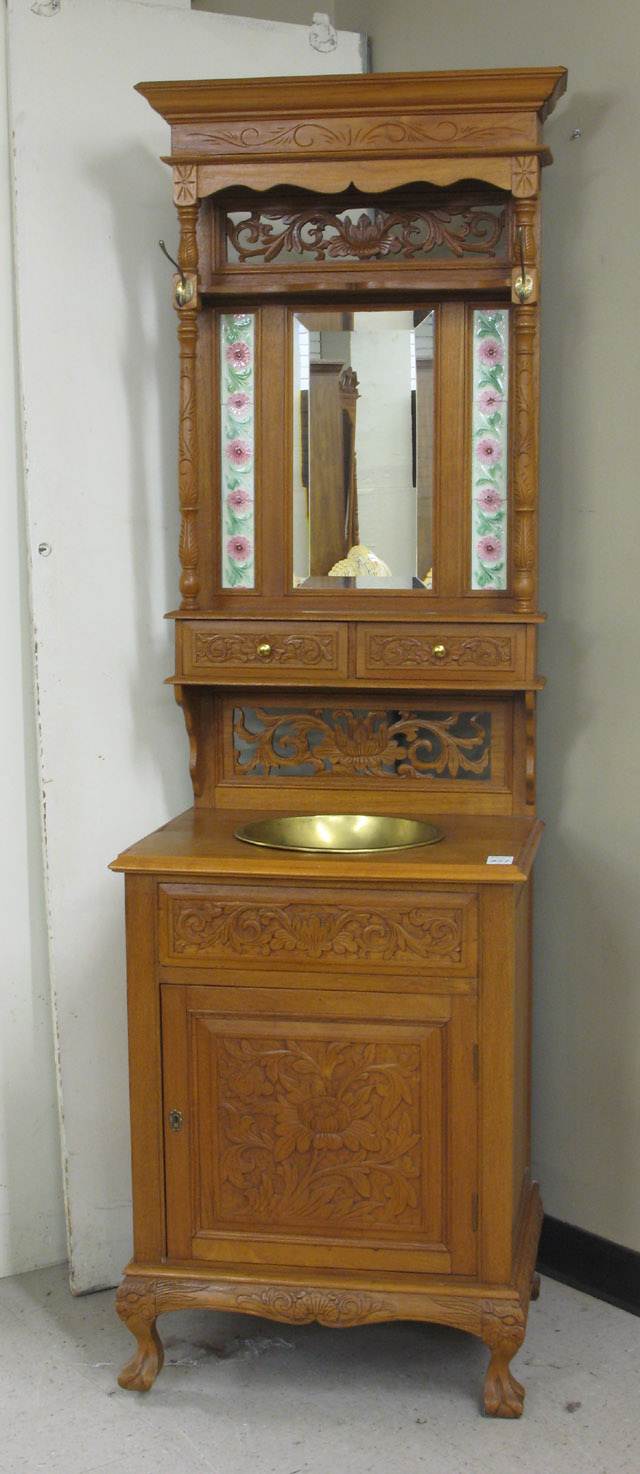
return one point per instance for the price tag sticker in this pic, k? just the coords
(499, 859)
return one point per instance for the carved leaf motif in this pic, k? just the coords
(462, 229)
(308, 929)
(362, 743)
(319, 1132)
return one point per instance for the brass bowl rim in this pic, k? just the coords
(429, 834)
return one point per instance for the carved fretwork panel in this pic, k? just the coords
(310, 1127)
(454, 229)
(447, 745)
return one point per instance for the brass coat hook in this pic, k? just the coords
(184, 288)
(523, 284)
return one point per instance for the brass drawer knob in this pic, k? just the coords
(264, 650)
(439, 652)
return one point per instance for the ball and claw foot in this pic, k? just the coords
(535, 1287)
(503, 1396)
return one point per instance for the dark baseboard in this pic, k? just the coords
(589, 1263)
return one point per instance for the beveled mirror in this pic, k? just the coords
(363, 448)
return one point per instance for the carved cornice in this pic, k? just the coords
(386, 99)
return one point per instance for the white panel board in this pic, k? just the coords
(99, 365)
(32, 1229)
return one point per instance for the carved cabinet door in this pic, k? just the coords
(311, 1126)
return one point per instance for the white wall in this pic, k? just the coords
(587, 931)
(32, 1227)
(99, 359)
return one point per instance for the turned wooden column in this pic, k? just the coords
(188, 429)
(526, 426)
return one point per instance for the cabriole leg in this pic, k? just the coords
(136, 1306)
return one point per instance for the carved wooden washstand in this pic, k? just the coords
(329, 1053)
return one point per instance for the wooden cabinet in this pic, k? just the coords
(329, 1052)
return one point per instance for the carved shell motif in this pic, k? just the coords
(329, 1307)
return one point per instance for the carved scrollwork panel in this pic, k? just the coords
(263, 136)
(296, 931)
(320, 234)
(350, 742)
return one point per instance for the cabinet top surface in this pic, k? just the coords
(532, 89)
(201, 842)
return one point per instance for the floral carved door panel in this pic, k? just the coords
(312, 1140)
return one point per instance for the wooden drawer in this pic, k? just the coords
(351, 931)
(461, 652)
(274, 650)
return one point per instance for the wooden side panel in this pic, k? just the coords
(522, 1049)
(496, 1064)
(145, 1069)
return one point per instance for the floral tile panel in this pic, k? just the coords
(489, 450)
(237, 439)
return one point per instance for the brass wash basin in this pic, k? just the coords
(339, 834)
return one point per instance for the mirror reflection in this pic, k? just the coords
(363, 449)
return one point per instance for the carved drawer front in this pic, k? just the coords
(274, 651)
(458, 652)
(314, 1139)
(354, 932)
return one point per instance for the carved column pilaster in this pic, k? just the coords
(526, 420)
(188, 431)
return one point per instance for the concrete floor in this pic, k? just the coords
(242, 1396)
